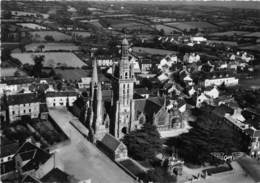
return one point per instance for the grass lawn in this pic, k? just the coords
(192, 25)
(58, 36)
(32, 26)
(51, 47)
(51, 59)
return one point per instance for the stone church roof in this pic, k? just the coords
(148, 106)
(110, 142)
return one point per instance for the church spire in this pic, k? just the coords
(94, 72)
(99, 114)
(125, 46)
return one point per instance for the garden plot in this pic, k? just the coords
(32, 26)
(51, 47)
(192, 25)
(51, 59)
(57, 36)
(81, 34)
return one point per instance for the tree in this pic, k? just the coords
(162, 33)
(144, 143)
(41, 47)
(59, 86)
(17, 74)
(49, 38)
(38, 65)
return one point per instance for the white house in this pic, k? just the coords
(192, 91)
(219, 80)
(23, 104)
(198, 39)
(200, 99)
(212, 93)
(15, 84)
(84, 82)
(60, 99)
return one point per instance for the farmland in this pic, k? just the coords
(229, 33)
(24, 13)
(152, 51)
(255, 47)
(51, 47)
(192, 25)
(72, 74)
(51, 59)
(167, 30)
(253, 34)
(58, 36)
(81, 34)
(32, 26)
(132, 26)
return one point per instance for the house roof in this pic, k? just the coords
(57, 175)
(34, 154)
(22, 98)
(251, 166)
(110, 142)
(8, 147)
(30, 179)
(221, 110)
(61, 94)
(17, 80)
(148, 106)
(43, 107)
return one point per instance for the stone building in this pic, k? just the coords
(24, 104)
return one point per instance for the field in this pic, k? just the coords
(81, 34)
(24, 13)
(32, 26)
(229, 33)
(167, 30)
(253, 34)
(58, 36)
(11, 71)
(51, 59)
(229, 43)
(152, 51)
(131, 26)
(255, 47)
(192, 25)
(52, 47)
(71, 74)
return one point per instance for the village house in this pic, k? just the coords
(201, 99)
(24, 104)
(26, 158)
(219, 79)
(12, 85)
(84, 82)
(8, 149)
(146, 65)
(212, 92)
(61, 98)
(114, 148)
(104, 62)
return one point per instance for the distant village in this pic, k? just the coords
(91, 95)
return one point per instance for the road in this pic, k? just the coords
(81, 158)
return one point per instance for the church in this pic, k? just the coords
(123, 112)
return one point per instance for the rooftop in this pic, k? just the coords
(22, 98)
(110, 142)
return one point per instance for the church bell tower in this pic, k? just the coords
(123, 86)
